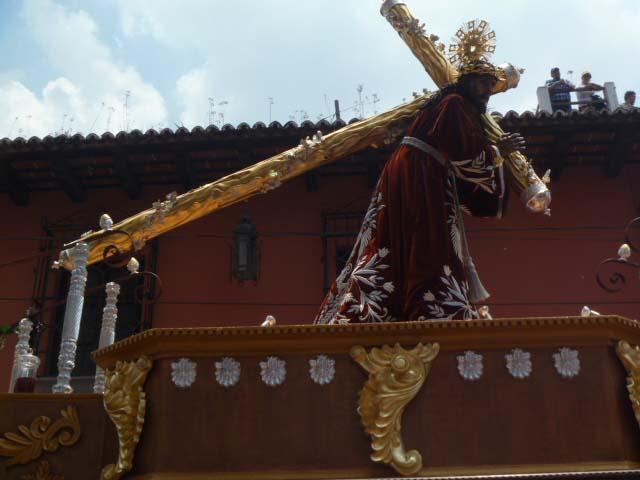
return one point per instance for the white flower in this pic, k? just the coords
(429, 297)
(447, 270)
(227, 372)
(388, 286)
(183, 373)
(383, 252)
(567, 362)
(273, 371)
(519, 363)
(470, 365)
(322, 369)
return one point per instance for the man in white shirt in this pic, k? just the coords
(585, 95)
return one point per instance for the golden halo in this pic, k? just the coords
(473, 43)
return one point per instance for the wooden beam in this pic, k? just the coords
(620, 152)
(11, 184)
(71, 184)
(129, 179)
(184, 169)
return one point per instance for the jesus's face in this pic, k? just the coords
(480, 88)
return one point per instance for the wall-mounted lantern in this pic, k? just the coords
(245, 251)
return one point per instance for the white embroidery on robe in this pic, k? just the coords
(372, 289)
(453, 296)
(329, 313)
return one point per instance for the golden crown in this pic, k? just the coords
(472, 47)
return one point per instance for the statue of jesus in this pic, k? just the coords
(411, 260)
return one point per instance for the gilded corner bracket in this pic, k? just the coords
(125, 403)
(630, 358)
(395, 377)
(41, 436)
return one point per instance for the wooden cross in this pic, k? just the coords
(314, 152)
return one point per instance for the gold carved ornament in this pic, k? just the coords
(630, 358)
(395, 377)
(41, 436)
(42, 472)
(125, 403)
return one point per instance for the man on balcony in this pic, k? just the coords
(586, 97)
(629, 102)
(559, 91)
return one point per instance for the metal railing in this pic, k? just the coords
(546, 105)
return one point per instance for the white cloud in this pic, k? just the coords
(91, 80)
(303, 54)
(297, 51)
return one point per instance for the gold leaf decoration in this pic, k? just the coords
(630, 358)
(41, 436)
(125, 403)
(395, 377)
(42, 472)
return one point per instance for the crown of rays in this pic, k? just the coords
(474, 42)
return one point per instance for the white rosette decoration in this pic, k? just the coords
(519, 363)
(470, 365)
(567, 362)
(183, 373)
(322, 369)
(227, 372)
(273, 371)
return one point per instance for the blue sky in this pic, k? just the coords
(66, 64)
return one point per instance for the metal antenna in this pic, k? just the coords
(111, 110)
(96, 119)
(270, 100)
(212, 111)
(125, 106)
(15, 120)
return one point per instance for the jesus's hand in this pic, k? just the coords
(510, 142)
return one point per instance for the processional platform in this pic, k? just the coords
(512, 398)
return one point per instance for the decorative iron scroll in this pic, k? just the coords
(617, 281)
(395, 377)
(125, 403)
(41, 436)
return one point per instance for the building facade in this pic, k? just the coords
(299, 234)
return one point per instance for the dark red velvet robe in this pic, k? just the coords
(407, 263)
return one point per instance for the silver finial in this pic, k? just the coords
(133, 266)
(484, 313)
(587, 312)
(624, 252)
(105, 222)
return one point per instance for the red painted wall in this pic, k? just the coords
(533, 265)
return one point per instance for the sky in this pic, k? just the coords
(90, 66)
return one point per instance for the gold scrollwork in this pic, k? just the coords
(41, 436)
(42, 472)
(125, 403)
(395, 377)
(630, 358)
